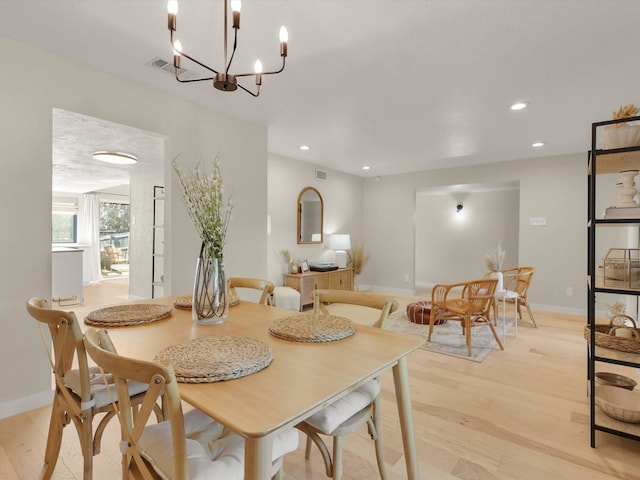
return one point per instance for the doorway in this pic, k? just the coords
(121, 238)
(457, 225)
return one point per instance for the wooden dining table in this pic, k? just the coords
(302, 378)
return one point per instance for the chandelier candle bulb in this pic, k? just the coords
(284, 38)
(258, 70)
(177, 48)
(172, 9)
(235, 8)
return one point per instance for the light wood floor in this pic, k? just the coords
(521, 414)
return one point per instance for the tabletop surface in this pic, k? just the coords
(302, 378)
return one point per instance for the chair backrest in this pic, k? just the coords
(162, 385)
(519, 279)
(479, 294)
(67, 342)
(265, 286)
(385, 304)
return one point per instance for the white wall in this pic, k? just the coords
(451, 246)
(551, 187)
(46, 82)
(342, 196)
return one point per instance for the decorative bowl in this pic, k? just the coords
(619, 403)
(615, 380)
(621, 136)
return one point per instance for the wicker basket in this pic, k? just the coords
(606, 337)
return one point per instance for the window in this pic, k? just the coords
(64, 220)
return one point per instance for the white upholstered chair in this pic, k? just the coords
(190, 446)
(80, 393)
(358, 407)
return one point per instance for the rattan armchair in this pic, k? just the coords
(469, 303)
(264, 286)
(361, 406)
(518, 279)
(79, 393)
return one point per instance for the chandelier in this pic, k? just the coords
(222, 79)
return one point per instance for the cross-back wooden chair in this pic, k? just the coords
(469, 303)
(80, 393)
(386, 305)
(265, 286)
(361, 406)
(518, 279)
(183, 446)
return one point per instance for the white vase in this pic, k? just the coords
(500, 277)
(627, 189)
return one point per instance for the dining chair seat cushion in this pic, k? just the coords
(213, 451)
(98, 389)
(331, 416)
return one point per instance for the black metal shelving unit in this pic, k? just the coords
(602, 162)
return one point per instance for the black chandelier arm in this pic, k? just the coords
(197, 62)
(192, 79)
(233, 52)
(249, 91)
(273, 72)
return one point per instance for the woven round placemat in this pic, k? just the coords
(183, 302)
(213, 359)
(126, 315)
(309, 327)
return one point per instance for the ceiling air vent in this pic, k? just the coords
(160, 64)
(321, 175)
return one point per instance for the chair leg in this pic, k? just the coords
(466, 329)
(495, 334)
(54, 438)
(337, 457)
(85, 434)
(375, 430)
(307, 448)
(531, 316)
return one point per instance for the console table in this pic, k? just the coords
(305, 283)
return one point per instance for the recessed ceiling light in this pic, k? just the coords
(366, 167)
(304, 147)
(519, 106)
(118, 158)
(537, 144)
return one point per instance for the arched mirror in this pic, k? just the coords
(310, 214)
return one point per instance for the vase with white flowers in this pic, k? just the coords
(210, 211)
(494, 261)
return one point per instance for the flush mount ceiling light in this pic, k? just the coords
(366, 167)
(304, 147)
(537, 144)
(118, 158)
(519, 106)
(222, 79)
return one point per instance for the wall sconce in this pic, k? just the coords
(458, 208)
(340, 243)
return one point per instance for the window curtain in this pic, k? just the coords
(89, 236)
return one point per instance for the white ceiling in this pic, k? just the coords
(399, 85)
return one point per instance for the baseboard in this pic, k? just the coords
(24, 404)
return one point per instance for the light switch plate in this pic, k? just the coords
(538, 221)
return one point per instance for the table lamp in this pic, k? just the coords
(340, 242)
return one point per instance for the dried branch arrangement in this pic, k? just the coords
(495, 259)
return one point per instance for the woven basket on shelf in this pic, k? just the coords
(606, 337)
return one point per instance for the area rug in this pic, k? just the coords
(448, 338)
